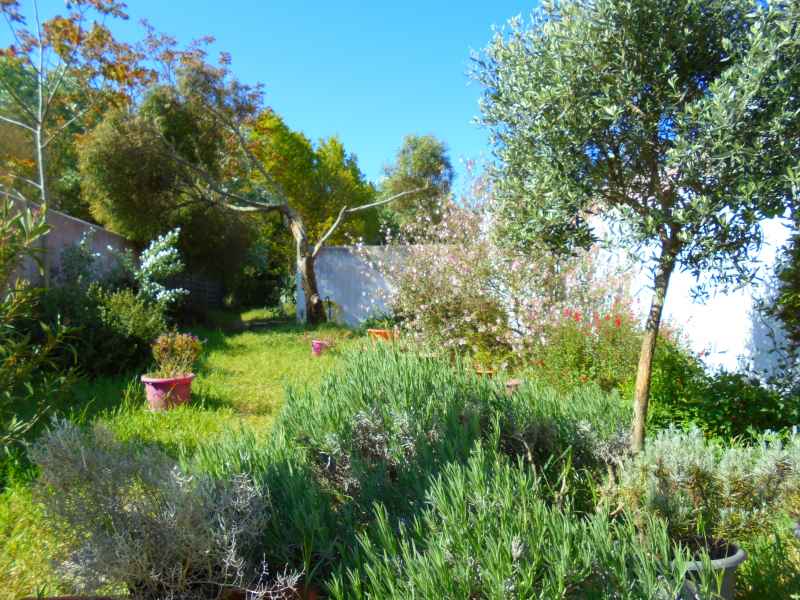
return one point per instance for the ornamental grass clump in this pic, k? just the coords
(703, 488)
(134, 520)
(175, 354)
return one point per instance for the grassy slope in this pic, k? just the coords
(240, 383)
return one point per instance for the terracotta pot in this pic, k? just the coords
(512, 385)
(165, 393)
(319, 346)
(485, 371)
(384, 335)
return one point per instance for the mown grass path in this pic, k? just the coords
(240, 382)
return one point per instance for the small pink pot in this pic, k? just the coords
(317, 347)
(163, 394)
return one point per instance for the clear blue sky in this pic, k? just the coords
(368, 71)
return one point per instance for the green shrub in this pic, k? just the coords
(489, 532)
(113, 330)
(704, 488)
(723, 404)
(30, 379)
(383, 426)
(578, 348)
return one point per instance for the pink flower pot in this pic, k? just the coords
(317, 347)
(163, 394)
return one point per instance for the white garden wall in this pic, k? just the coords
(721, 327)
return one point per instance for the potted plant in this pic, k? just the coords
(171, 383)
(710, 493)
(382, 335)
(319, 346)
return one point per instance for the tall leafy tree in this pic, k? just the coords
(676, 121)
(136, 188)
(316, 179)
(423, 163)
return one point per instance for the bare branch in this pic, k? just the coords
(387, 200)
(21, 178)
(347, 211)
(12, 193)
(66, 124)
(17, 123)
(18, 101)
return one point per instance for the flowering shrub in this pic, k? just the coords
(459, 287)
(175, 354)
(159, 261)
(603, 348)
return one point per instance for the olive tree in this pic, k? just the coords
(674, 122)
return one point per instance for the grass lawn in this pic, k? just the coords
(240, 383)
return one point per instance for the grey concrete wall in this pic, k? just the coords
(66, 231)
(348, 279)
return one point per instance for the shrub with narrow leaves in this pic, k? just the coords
(702, 487)
(490, 530)
(133, 517)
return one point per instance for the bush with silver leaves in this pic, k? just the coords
(136, 519)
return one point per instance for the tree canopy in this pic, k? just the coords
(422, 162)
(675, 121)
(317, 180)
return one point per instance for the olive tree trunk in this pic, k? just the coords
(644, 373)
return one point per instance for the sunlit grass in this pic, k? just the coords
(240, 383)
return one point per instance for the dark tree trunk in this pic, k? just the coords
(315, 309)
(644, 373)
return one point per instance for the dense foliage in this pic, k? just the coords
(422, 163)
(136, 187)
(674, 122)
(30, 380)
(705, 488)
(117, 314)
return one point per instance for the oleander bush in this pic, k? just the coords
(704, 487)
(30, 378)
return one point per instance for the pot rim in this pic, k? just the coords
(176, 379)
(731, 561)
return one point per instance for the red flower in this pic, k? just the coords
(577, 316)
(617, 321)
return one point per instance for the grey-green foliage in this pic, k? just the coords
(490, 532)
(381, 427)
(677, 120)
(133, 517)
(702, 487)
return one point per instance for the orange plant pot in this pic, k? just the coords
(383, 335)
